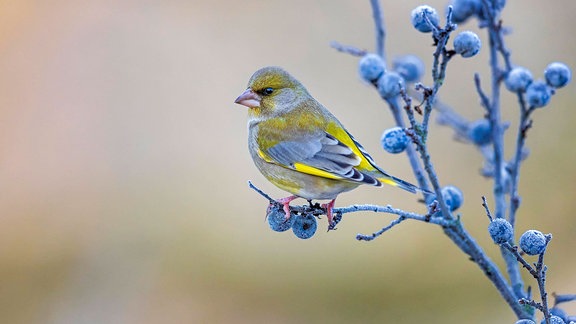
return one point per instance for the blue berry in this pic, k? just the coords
(500, 230)
(304, 226)
(394, 140)
(464, 9)
(453, 197)
(554, 320)
(421, 23)
(560, 313)
(480, 132)
(390, 84)
(518, 79)
(277, 219)
(525, 321)
(538, 94)
(371, 67)
(467, 44)
(410, 67)
(557, 74)
(533, 242)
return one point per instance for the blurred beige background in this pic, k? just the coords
(123, 167)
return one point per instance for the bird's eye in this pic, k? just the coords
(267, 91)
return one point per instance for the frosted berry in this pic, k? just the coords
(304, 226)
(500, 230)
(518, 79)
(554, 320)
(467, 44)
(371, 67)
(533, 242)
(464, 9)
(480, 132)
(410, 67)
(277, 219)
(420, 22)
(538, 94)
(453, 197)
(557, 74)
(394, 140)
(390, 84)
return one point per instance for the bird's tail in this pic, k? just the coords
(396, 182)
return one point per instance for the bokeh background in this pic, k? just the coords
(124, 167)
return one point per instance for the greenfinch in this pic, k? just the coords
(299, 146)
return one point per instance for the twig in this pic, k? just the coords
(563, 298)
(541, 279)
(362, 237)
(496, 45)
(485, 205)
(410, 149)
(518, 157)
(348, 49)
(532, 303)
(520, 259)
(262, 193)
(380, 31)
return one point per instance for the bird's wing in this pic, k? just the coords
(322, 155)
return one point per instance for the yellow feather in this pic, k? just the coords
(336, 130)
(315, 171)
(389, 182)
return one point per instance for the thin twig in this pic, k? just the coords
(348, 49)
(362, 237)
(485, 205)
(380, 31)
(520, 259)
(518, 157)
(262, 193)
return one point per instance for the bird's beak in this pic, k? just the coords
(249, 99)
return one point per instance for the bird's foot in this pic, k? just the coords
(328, 207)
(285, 202)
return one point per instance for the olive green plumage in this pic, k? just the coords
(299, 146)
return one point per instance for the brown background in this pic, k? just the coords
(123, 167)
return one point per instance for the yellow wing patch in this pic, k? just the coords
(340, 134)
(304, 168)
(315, 171)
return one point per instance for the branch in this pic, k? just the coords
(348, 49)
(380, 29)
(362, 237)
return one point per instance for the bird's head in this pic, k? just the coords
(272, 91)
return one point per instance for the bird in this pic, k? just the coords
(301, 147)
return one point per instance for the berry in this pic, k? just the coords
(453, 197)
(560, 313)
(518, 79)
(557, 74)
(390, 84)
(480, 132)
(467, 44)
(420, 22)
(277, 219)
(554, 320)
(525, 321)
(500, 230)
(533, 242)
(410, 67)
(394, 140)
(538, 94)
(464, 9)
(371, 67)
(304, 226)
